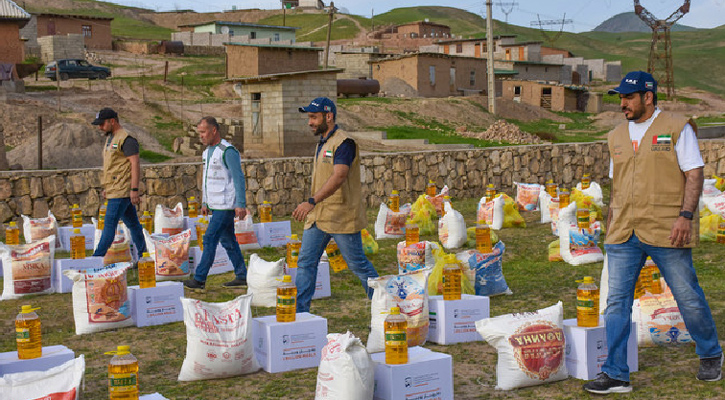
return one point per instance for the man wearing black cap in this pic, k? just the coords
(335, 208)
(657, 177)
(120, 179)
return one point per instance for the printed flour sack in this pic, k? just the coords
(452, 228)
(100, 298)
(437, 200)
(169, 220)
(416, 256)
(486, 270)
(27, 268)
(263, 277)
(35, 229)
(218, 339)
(578, 245)
(530, 347)
(171, 254)
(120, 250)
(62, 382)
(244, 232)
(390, 224)
(659, 321)
(527, 196)
(410, 293)
(491, 212)
(346, 370)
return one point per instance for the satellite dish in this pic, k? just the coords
(225, 29)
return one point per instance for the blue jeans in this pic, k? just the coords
(120, 209)
(314, 242)
(625, 261)
(220, 229)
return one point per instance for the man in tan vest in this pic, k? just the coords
(120, 179)
(335, 208)
(657, 176)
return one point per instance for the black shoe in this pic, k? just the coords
(604, 384)
(237, 282)
(710, 369)
(192, 283)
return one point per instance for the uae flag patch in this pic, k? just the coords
(328, 154)
(662, 139)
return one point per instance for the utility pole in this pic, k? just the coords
(489, 61)
(372, 21)
(330, 11)
(284, 14)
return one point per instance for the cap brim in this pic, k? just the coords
(303, 110)
(97, 121)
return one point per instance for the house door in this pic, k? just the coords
(51, 28)
(453, 80)
(576, 78)
(477, 51)
(521, 54)
(546, 98)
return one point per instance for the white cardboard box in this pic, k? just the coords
(220, 265)
(427, 376)
(286, 346)
(273, 234)
(586, 349)
(61, 282)
(53, 356)
(322, 284)
(454, 321)
(190, 223)
(65, 232)
(158, 305)
(154, 396)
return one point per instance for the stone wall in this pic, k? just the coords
(285, 182)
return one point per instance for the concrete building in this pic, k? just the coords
(273, 125)
(553, 97)
(96, 31)
(505, 47)
(358, 64)
(537, 71)
(245, 60)
(12, 19)
(423, 29)
(239, 29)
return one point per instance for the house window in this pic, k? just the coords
(252, 35)
(459, 48)
(86, 30)
(432, 75)
(452, 83)
(257, 114)
(546, 69)
(276, 37)
(517, 91)
(473, 77)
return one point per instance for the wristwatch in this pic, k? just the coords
(134, 189)
(686, 214)
(311, 200)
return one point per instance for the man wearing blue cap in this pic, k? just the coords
(657, 177)
(335, 208)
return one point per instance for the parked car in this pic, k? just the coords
(75, 68)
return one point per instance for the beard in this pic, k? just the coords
(635, 114)
(322, 128)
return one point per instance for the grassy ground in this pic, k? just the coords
(667, 373)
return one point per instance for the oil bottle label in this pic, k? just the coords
(295, 253)
(395, 337)
(22, 335)
(122, 382)
(584, 303)
(285, 301)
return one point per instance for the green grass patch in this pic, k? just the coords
(711, 119)
(153, 157)
(40, 88)
(434, 136)
(580, 129)
(371, 99)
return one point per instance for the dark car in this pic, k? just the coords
(75, 68)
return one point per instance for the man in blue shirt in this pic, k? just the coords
(222, 193)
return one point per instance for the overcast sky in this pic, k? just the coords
(585, 14)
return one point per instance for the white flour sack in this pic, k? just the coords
(244, 232)
(530, 347)
(171, 255)
(544, 202)
(708, 190)
(62, 382)
(659, 321)
(452, 228)
(491, 212)
(169, 220)
(100, 298)
(595, 191)
(346, 370)
(27, 268)
(35, 229)
(527, 196)
(120, 250)
(410, 293)
(218, 339)
(416, 256)
(390, 224)
(263, 277)
(578, 245)
(716, 204)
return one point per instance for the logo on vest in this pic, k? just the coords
(662, 143)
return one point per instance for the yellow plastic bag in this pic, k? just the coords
(555, 251)
(511, 216)
(708, 227)
(584, 201)
(471, 237)
(719, 183)
(435, 280)
(370, 246)
(422, 213)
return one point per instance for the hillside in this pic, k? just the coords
(630, 22)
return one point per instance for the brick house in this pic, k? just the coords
(505, 47)
(243, 29)
(553, 97)
(96, 31)
(245, 60)
(273, 125)
(423, 29)
(12, 18)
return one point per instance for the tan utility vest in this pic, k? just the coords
(648, 186)
(343, 211)
(116, 175)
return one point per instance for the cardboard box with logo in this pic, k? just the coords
(454, 321)
(157, 305)
(322, 284)
(586, 349)
(286, 346)
(427, 376)
(53, 356)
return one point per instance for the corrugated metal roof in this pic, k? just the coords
(10, 10)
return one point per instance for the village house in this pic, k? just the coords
(240, 29)
(12, 18)
(96, 31)
(555, 97)
(245, 60)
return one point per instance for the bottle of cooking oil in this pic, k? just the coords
(446, 199)
(76, 216)
(201, 225)
(286, 300)
(147, 221)
(77, 245)
(27, 333)
(265, 212)
(146, 271)
(452, 278)
(193, 206)
(122, 375)
(551, 188)
(396, 337)
(293, 251)
(412, 233)
(430, 188)
(582, 218)
(564, 198)
(483, 238)
(490, 192)
(102, 215)
(12, 233)
(649, 277)
(721, 231)
(334, 256)
(586, 181)
(394, 201)
(587, 303)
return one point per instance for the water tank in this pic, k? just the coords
(361, 87)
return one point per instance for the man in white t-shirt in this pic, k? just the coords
(657, 176)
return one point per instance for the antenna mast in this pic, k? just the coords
(506, 11)
(549, 22)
